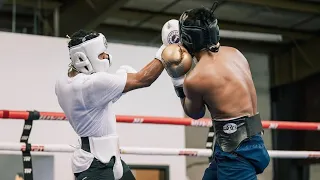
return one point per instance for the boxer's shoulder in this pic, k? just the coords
(99, 76)
(199, 78)
(228, 48)
(195, 74)
(232, 55)
(192, 85)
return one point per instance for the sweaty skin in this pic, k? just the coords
(223, 82)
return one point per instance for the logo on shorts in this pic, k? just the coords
(173, 37)
(230, 128)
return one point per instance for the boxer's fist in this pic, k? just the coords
(177, 61)
(170, 32)
(169, 35)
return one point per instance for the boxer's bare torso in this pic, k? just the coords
(225, 83)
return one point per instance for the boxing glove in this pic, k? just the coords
(169, 35)
(170, 32)
(159, 53)
(177, 62)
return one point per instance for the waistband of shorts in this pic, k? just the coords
(85, 144)
(235, 118)
(230, 133)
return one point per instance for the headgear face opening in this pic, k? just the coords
(85, 56)
(198, 33)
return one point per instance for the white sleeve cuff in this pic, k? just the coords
(159, 53)
(178, 81)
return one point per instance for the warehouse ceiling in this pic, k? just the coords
(140, 21)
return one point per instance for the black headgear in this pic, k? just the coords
(198, 33)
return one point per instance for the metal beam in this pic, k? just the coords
(148, 37)
(288, 34)
(136, 36)
(133, 15)
(34, 4)
(23, 20)
(86, 15)
(173, 3)
(298, 6)
(115, 6)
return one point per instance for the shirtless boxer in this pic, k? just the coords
(87, 93)
(221, 81)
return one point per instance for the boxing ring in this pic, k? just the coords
(30, 116)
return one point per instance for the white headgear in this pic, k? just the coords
(85, 56)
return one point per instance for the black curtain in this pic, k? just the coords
(299, 101)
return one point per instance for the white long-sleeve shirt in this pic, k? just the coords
(87, 101)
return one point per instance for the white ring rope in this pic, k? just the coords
(154, 151)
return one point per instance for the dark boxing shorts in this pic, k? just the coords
(239, 152)
(99, 170)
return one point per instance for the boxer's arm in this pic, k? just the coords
(145, 77)
(152, 71)
(193, 104)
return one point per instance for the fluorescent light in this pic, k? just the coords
(251, 36)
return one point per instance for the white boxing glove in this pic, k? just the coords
(169, 35)
(170, 32)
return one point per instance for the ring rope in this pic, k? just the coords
(26, 148)
(64, 148)
(289, 125)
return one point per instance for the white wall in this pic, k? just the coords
(196, 137)
(29, 67)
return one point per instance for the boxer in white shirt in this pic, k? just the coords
(87, 93)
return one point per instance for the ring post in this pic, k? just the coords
(26, 155)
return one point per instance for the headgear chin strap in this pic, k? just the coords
(85, 56)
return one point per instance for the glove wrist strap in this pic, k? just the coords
(159, 53)
(178, 81)
(178, 86)
(179, 92)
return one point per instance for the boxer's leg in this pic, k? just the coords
(97, 171)
(127, 173)
(128, 176)
(232, 167)
(211, 172)
(248, 160)
(254, 151)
